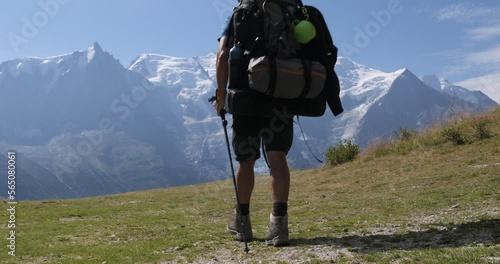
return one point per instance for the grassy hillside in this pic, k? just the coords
(421, 199)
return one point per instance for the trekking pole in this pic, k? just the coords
(224, 124)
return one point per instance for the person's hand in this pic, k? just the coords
(219, 105)
(220, 102)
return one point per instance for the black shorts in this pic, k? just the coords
(249, 131)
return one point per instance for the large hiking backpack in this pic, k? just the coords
(270, 70)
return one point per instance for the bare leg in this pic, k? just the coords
(245, 180)
(280, 176)
(277, 231)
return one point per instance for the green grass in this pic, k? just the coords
(418, 200)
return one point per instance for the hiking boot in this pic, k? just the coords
(234, 227)
(277, 231)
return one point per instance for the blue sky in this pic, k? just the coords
(458, 40)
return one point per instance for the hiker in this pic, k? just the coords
(247, 132)
(278, 58)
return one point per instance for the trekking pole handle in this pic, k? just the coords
(222, 111)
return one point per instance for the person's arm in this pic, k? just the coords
(222, 71)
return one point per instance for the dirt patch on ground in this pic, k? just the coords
(417, 233)
(70, 218)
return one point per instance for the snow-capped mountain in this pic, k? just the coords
(362, 88)
(84, 125)
(444, 86)
(188, 83)
(89, 126)
(377, 104)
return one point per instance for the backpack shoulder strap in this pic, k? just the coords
(231, 29)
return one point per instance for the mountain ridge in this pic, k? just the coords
(107, 121)
(443, 85)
